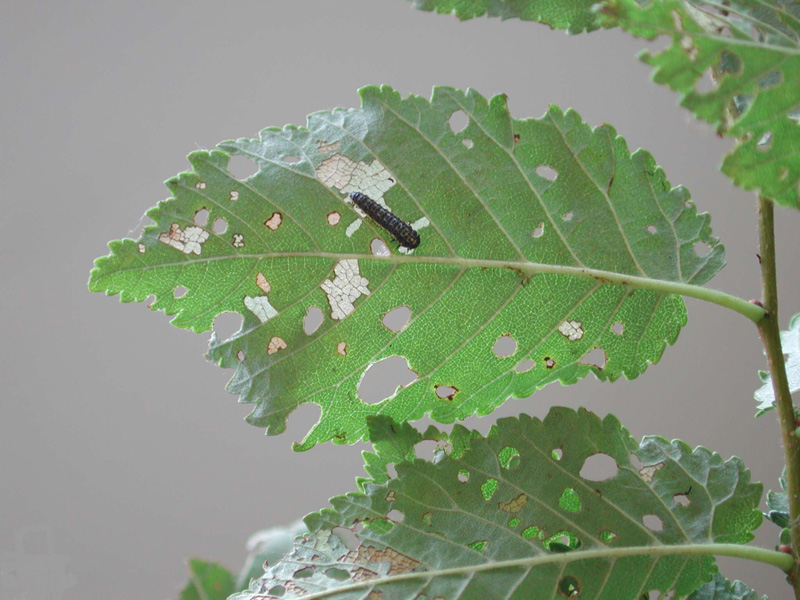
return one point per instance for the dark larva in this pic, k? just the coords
(400, 230)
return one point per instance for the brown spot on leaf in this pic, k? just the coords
(274, 221)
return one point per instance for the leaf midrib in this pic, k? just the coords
(777, 559)
(525, 268)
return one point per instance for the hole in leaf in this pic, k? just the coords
(384, 378)
(532, 532)
(337, 574)
(508, 458)
(651, 229)
(653, 522)
(313, 320)
(277, 591)
(304, 573)
(771, 80)
(701, 248)
(291, 160)
(227, 324)
(706, 83)
(348, 537)
(220, 226)
(563, 541)
(458, 121)
(240, 355)
(599, 467)
(569, 587)
(537, 233)
(242, 167)
(568, 216)
(548, 173)
(179, 292)
(525, 366)
(557, 453)
(396, 319)
(682, 499)
(446, 392)
(379, 248)
(570, 501)
(201, 217)
(391, 471)
(549, 362)
(427, 518)
(608, 536)
(488, 489)
(463, 476)
(596, 358)
(395, 515)
(618, 328)
(379, 526)
(467, 142)
(478, 545)
(504, 346)
(514, 522)
(765, 143)
(426, 449)
(636, 464)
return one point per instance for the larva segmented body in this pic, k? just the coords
(400, 230)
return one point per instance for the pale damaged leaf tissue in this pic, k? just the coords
(521, 223)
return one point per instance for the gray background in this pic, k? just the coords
(116, 437)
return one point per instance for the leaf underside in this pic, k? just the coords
(790, 342)
(510, 213)
(748, 53)
(721, 589)
(573, 15)
(453, 529)
(208, 581)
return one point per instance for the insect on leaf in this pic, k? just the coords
(504, 532)
(540, 243)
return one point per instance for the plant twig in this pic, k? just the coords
(770, 333)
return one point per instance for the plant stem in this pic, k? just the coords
(770, 333)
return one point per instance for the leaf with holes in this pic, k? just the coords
(548, 251)
(505, 529)
(574, 15)
(208, 581)
(267, 546)
(394, 442)
(720, 588)
(790, 342)
(750, 52)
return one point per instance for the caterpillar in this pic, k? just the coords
(400, 230)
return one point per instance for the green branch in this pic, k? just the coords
(771, 338)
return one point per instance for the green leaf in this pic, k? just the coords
(790, 342)
(751, 48)
(503, 532)
(778, 504)
(574, 15)
(394, 443)
(720, 588)
(543, 233)
(267, 546)
(208, 581)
